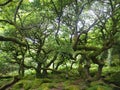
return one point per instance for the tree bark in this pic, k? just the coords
(87, 71)
(16, 79)
(5, 3)
(109, 58)
(2, 38)
(38, 70)
(99, 73)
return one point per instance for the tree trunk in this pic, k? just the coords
(38, 70)
(109, 58)
(87, 71)
(21, 68)
(100, 64)
(44, 73)
(16, 79)
(98, 75)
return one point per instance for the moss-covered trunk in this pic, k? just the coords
(38, 70)
(87, 70)
(21, 68)
(99, 72)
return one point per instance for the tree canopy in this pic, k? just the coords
(49, 35)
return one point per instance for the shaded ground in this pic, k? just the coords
(111, 81)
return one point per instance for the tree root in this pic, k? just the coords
(16, 79)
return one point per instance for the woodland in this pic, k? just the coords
(59, 44)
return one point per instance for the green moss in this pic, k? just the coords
(46, 80)
(53, 85)
(45, 86)
(99, 87)
(25, 84)
(36, 83)
(5, 81)
(29, 77)
(66, 83)
(72, 87)
(94, 83)
(114, 78)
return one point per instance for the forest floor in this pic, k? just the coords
(111, 81)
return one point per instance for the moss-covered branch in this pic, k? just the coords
(16, 79)
(87, 48)
(6, 21)
(15, 40)
(5, 3)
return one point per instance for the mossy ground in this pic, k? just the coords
(60, 82)
(55, 82)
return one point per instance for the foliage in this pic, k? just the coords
(58, 36)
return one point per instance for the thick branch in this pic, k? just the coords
(87, 48)
(5, 77)
(7, 21)
(16, 11)
(5, 3)
(54, 58)
(2, 38)
(55, 7)
(16, 79)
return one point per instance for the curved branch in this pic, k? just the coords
(55, 7)
(15, 79)
(5, 3)
(88, 48)
(16, 11)
(7, 21)
(2, 38)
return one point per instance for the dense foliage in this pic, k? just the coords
(59, 36)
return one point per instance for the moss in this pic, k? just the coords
(46, 80)
(26, 84)
(72, 87)
(99, 87)
(29, 77)
(53, 85)
(67, 83)
(36, 83)
(45, 86)
(97, 83)
(5, 81)
(114, 78)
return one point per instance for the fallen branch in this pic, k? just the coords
(115, 86)
(5, 77)
(4, 87)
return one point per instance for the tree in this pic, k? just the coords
(56, 32)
